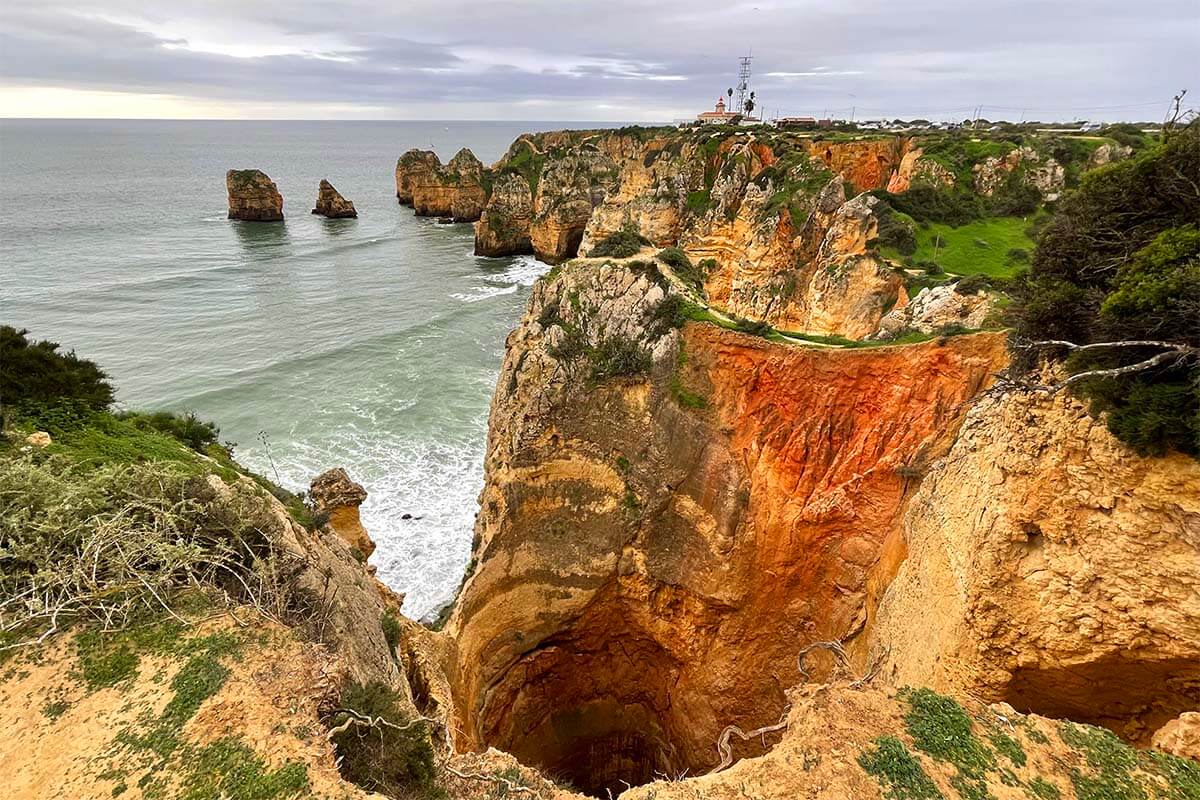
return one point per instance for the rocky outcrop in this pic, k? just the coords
(503, 228)
(415, 167)
(1180, 736)
(322, 573)
(669, 514)
(253, 196)
(1108, 153)
(1043, 173)
(333, 493)
(928, 172)
(838, 742)
(454, 190)
(867, 163)
(331, 204)
(935, 309)
(1050, 567)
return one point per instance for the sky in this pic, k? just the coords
(615, 60)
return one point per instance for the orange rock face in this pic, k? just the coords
(653, 551)
(867, 164)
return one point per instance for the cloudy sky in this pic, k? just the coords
(594, 59)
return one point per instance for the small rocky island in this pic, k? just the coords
(253, 196)
(331, 204)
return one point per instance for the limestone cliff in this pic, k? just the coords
(777, 218)
(1050, 567)
(253, 196)
(669, 514)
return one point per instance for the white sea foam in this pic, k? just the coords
(484, 292)
(525, 271)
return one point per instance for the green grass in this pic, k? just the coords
(898, 771)
(941, 728)
(228, 768)
(977, 247)
(1112, 764)
(1042, 789)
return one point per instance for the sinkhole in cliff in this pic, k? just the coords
(601, 706)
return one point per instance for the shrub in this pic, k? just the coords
(931, 268)
(895, 231)
(953, 207)
(617, 356)
(391, 630)
(753, 327)
(187, 428)
(972, 284)
(148, 535)
(625, 243)
(35, 375)
(689, 273)
(397, 763)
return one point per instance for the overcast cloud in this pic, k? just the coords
(589, 60)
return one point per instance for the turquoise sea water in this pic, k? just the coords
(372, 344)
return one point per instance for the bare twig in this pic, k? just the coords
(726, 751)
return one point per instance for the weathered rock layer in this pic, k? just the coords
(1050, 567)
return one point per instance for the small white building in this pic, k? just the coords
(718, 116)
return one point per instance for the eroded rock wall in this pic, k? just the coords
(654, 547)
(1051, 567)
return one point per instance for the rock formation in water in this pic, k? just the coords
(454, 190)
(335, 494)
(253, 196)
(330, 203)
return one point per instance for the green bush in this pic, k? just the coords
(972, 284)
(895, 231)
(617, 356)
(625, 243)
(751, 326)
(35, 375)
(396, 763)
(1017, 255)
(1157, 291)
(391, 630)
(1120, 260)
(187, 428)
(691, 274)
(953, 207)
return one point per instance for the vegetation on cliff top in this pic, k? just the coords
(1119, 263)
(124, 493)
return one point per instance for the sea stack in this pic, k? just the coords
(253, 196)
(330, 203)
(335, 494)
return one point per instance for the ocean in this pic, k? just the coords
(371, 344)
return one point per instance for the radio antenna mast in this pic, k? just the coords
(743, 84)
